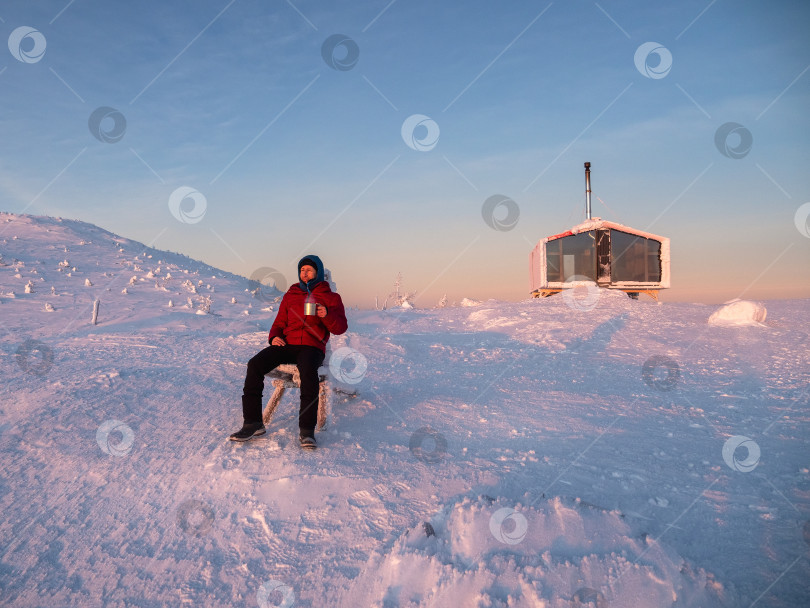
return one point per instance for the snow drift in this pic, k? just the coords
(487, 552)
(739, 313)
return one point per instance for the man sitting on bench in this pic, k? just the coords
(309, 312)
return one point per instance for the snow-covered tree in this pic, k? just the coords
(399, 297)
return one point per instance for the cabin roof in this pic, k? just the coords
(597, 222)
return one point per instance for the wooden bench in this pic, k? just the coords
(286, 376)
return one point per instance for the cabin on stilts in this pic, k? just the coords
(598, 251)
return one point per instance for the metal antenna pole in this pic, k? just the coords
(588, 190)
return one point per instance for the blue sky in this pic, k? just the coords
(236, 101)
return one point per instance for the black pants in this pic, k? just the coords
(307, 358)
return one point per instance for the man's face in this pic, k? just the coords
(307, 273)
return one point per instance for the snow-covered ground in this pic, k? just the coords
(580, 451)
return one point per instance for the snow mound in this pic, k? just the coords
(739, 313)
(469, 302)
(489, 552)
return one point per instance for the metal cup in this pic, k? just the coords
(310, 308)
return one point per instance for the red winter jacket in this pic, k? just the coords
(295, 328)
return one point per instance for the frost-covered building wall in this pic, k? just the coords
(611, 255)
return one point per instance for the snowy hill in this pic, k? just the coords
(76, 263)
(558, 452)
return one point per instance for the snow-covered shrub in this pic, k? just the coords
(204, 305)
(29, 287)
(327, 276)
(88, 283)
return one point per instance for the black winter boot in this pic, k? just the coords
(307, 439)
(248, 431)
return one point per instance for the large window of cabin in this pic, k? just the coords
(571, 255)
(634, 258)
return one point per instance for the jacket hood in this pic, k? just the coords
(319, 275)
